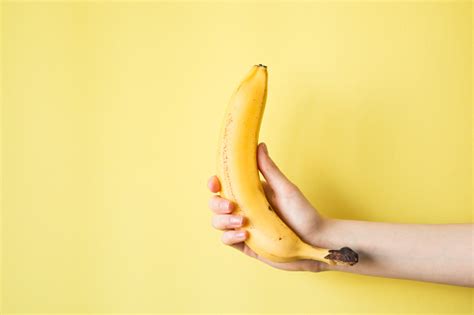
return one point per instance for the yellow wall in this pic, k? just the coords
(110, 121)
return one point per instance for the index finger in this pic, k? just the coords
(214, 184)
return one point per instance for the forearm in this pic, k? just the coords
(435, 253)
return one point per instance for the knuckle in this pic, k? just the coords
(222, 203)
(210, 203)
(218, 222)
(225, 239)
(214, 203)
(214, 223)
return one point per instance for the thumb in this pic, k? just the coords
(274, 177)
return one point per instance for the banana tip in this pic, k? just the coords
(261, 65)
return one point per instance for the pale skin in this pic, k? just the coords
(441, 253)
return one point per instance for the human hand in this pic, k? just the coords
(287, 201)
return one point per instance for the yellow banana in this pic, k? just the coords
(237, 171)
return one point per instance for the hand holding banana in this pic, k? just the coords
(273, 218)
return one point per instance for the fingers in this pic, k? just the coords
(274, 177)
(221, 205)
(222, 220)
(226, 221)
(233, 237)
(214, 184)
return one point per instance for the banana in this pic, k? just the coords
(238, 173)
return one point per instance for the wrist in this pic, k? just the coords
(321, 235)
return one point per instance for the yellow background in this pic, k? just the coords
(109, 133)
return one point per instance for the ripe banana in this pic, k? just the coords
(237, 171)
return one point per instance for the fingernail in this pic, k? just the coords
(240, 235)
(236, 221)
(264, 147)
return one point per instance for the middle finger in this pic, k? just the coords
(226, 221)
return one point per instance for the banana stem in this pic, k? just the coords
(344, 256)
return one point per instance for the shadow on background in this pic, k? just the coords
(342, 149)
